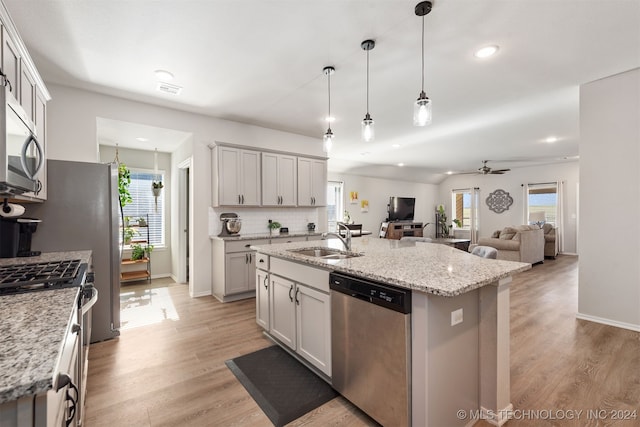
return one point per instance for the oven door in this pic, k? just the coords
(89, 298)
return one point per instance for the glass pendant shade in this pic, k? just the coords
(327, 141)
(368, 131)
(422, 111)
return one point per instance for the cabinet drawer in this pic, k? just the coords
(262, 262)
(310, 276)
(286, 239)
(243, 245)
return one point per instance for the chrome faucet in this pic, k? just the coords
(346, 241)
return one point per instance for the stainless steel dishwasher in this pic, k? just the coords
(371, 347)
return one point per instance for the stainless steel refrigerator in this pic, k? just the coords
(81, 213)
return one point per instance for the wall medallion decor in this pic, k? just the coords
(499, 201)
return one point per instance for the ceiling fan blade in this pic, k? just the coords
(499, 171)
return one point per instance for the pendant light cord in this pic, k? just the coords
(368, 81)
(329, 88)
(422, 53)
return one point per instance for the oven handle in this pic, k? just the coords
(88, 304)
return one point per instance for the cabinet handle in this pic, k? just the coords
(290, 297)
(239, 202)
(265, 282)
(297, 300)
(75, 328)
(243, 199)
(261, 260)
(250, 258)
(313, 200)
(247, 245)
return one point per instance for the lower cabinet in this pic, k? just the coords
(300, 312)
(262, 299)
(240, 269)
(233, 269)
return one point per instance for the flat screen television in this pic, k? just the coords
(401, 208)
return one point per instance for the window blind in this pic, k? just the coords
(145, 205)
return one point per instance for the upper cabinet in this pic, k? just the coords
(278, 180)
(312, 182)
(241, 176)
(235, 177)
(11, 62)
(28, 89)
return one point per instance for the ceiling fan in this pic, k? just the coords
(486, 170)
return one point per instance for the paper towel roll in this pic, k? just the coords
(13, 210)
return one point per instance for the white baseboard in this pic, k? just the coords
(623, 325)
(161, 276)
(496, 419)
(201, 294)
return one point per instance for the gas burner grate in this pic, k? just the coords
(42, 272)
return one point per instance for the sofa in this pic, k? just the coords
(524, 243)
(550, 242)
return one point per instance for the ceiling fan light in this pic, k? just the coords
(368, 131)
(422, 111)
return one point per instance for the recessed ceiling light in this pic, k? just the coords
(142, 139)
(400, 164)
(396, 145)
(163, 75)
(486, 51)
(551, 139)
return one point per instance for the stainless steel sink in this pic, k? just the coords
(324, 253)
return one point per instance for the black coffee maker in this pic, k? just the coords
(15, 237)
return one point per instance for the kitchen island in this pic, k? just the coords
(459, 319)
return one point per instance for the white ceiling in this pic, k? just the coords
(260, 62)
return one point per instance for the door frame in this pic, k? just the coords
(185, 242)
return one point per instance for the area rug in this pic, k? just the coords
(282, 387)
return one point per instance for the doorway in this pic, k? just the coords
(184, 238)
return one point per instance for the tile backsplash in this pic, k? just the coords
(255, 220)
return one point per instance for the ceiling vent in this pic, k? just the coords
(169, 88)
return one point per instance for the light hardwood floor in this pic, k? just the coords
(172, 372)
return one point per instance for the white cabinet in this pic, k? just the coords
(300, 311)
(279, 185)
(27, 91)
(283, 310)
(233, 269)
(11, 63)
(312, 182)
(262, 292)
(235, 177)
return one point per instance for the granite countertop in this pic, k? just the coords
(427, 267)
(33, 327)
(257, 236)
(83, 256)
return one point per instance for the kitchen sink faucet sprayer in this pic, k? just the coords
(346, 241)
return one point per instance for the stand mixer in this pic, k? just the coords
(231, 224)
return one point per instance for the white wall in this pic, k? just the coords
(609, 269)
(160, 257)
(377, 191)
(512, 182)
(72, 136)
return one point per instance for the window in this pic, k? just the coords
(335, 204)
(543, 197)
(144, 203)
(461, 207)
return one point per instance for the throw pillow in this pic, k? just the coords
(547, 228)
(496, 234)
(507, 233)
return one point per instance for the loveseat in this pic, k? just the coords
(524, 243)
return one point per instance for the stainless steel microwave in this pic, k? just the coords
(21, 155)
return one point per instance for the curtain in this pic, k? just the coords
(560, 216)
(475, 214)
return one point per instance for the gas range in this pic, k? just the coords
(21, 278)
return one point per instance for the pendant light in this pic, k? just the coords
(367, 123)
(327, 139)
(422, 106)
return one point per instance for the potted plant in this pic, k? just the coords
(156, 187)
(124, 180)
(128, 234)
(274, 227)
(139, 252)
(142, 222)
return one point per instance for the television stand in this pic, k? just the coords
(397, 230)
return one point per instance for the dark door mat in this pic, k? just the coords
(283, 387)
